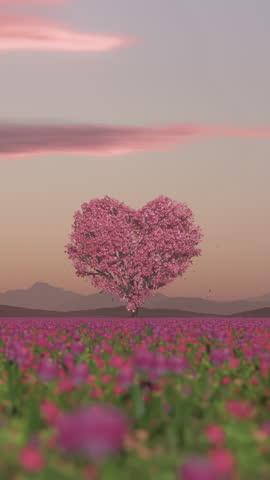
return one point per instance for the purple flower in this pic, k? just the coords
(161, 366)
(96, 431)
(249, 354)
(76, 336)
(79, 373)
(266, 427)
(12, 349)
(47, 369)
(264, 356)
(77, 348)
(187, 389)
(198, 468)
(144, 360)
(97, 349)
(18, 353)
(68, 360)
(178, 364)
(62, 348)
(219, 355)
(126, 376)
(22, 355)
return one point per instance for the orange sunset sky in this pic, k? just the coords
(136, 100)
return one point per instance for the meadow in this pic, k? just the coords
(107, 398)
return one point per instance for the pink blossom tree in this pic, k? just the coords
(132, 253)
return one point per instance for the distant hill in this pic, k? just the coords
(260, 312)
(7, 311)
(10, 311)
(42, 296)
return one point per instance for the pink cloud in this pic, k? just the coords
(19, 32)
(10, 3)
(26, 140)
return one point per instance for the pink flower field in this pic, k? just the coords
(168, 399)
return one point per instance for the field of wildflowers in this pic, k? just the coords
(168, 399)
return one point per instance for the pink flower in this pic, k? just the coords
(144, 360)
(215, 434)
(77, 348)
(31, 459)
(68, 360)
(265, 427)
(219, 355)
(90, 473)
(48, 369)
(254, 380)
(95, 430)
(223, 460)
(97, 392)
(198, 468)
(79, 373)
(118, 390)
(178, 364)
(181, 348)
(65, 385)
(161, 349)
(240, 409)
(99, 362)
(105, 378)
(234, 362)
(226, 381)
(50, 412)
(126, 376)
(91, 379)
(117, 361)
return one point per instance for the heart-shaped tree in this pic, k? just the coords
(130, 252)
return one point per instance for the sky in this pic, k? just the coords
(135, 100)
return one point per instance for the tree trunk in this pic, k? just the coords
(135, 314)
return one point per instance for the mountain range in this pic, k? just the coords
(44, 297)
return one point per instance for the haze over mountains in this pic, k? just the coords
(42, 296)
